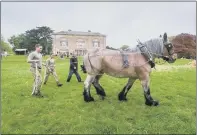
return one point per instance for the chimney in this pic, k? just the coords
(69, 30)
(89, 30)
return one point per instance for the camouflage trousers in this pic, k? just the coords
(48, 72)
(37, 81)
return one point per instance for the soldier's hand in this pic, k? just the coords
(36, 61)
(74, 67)
(39, 67)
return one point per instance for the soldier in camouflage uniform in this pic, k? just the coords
(35, 58)
(50, 69)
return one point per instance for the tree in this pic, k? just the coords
(5, 46)
(18, 41)
(184, 45)
(124, 47)
(41, 35)
(45, 38)
(107, 47)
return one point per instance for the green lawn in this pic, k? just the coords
(64, 111)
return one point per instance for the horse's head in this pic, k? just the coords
(168, 52)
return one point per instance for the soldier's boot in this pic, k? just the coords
(68, 79)
(59, 84)
(45, 80)
(125, 61)
(38, 94)
(78, 78)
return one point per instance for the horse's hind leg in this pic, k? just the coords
(87, 85)
(122, 95)
(148, 99)
(99, 89)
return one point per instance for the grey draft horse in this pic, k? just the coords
(100, 61)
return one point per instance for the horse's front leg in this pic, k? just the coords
(148, 99)
(99, 89)
(87, 85)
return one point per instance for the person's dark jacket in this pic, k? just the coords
(73, 63)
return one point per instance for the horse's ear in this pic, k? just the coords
(165, 37)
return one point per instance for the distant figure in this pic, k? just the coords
(61, 56)
(73, 68)
(5, 53)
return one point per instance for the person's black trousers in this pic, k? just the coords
(71, 73)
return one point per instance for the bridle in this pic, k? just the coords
(169, 47)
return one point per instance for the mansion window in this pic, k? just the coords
(64, 43)
(96, 43)
(80, 43)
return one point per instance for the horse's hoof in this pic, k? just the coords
(152, 103)
(88, 99)
(91, 99)
(149, 103)
(155, 103)
(122, 98)
(100, 92)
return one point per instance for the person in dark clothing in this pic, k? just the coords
(73, 68)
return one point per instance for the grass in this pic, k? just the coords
(178, 62)
(63, 110)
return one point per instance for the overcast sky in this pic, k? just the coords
(122, 22)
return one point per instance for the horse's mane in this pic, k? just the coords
(155, 46)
